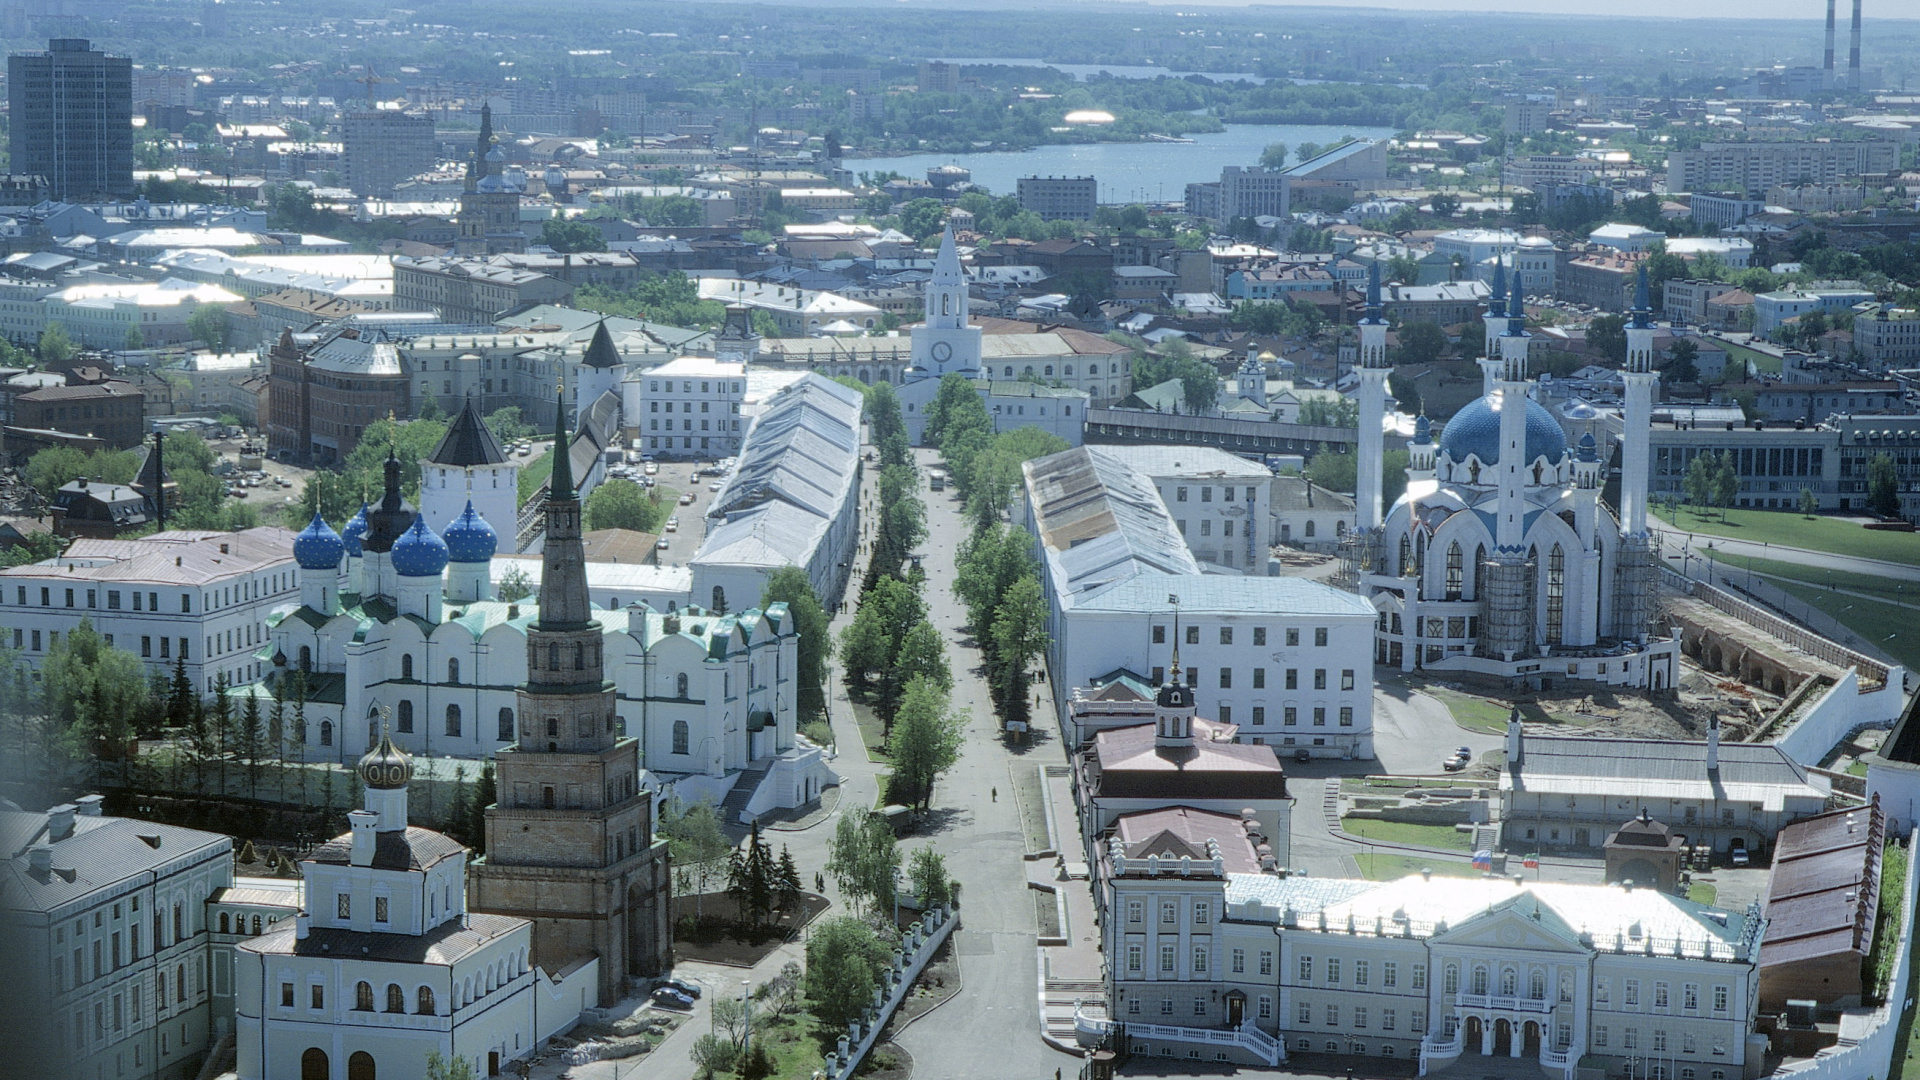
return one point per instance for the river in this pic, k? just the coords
(1127, 171)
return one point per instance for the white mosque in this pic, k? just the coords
(1501, 558)
(397, 619)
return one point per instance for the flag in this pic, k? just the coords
(1531, 862)
(1483, 860)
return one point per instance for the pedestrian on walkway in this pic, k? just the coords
(819, 882)
(996, 794)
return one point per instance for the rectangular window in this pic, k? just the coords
(1159, 635)
(1333, 970)
(1259, 678)
(1193, 635)
(1361, 972)
(1688, 1044)
(1630, 1039)
(1306, 969)
(1346, 716)
(1600, 1036)
(1168, 913)
(1166, 959)
(113, 599)
(1179, 494)
(1293, 678)
(1720, 999)
(1419, 976)
(1266, 1007)
(1266, 961)
(1320, 678)
(1259, 715)
(380, 909)
(1319, 716)
(1239, 961)
(1320, 636)
(1293, 636)
(1226, 678)
(1206, 494)
(1419, 1022)
(1305, 1013)
(1659, 1041)
(1389, 974)
(1633, 992)
(319, 997)
(1346, 679)
(1199, 1006)
(1133, 958)
(1290, 716)
(1202, 913)
(1199, 959)
(1259, 635)
(343, 905)
(1333, 1016)
(1226, 635)
(1690, 996)
(1386, 1019)
(1359, 1016)
(1134, 912)
(1660, 995)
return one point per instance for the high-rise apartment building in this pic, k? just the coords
(72, 119)
(385, 147)
(1060, 198)
(1753, 167)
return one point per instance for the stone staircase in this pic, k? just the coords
(1057, 1000)
(733, 808)
(220, 1059)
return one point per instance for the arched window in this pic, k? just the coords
(579, 656)
(223, 923)
(313, 1065)
(680, 736)
(306, 658)
(423, 1001)
(179, 922)
(453, 670)
(1479, 560)
(406, 665)
(406, 716)
(719, 600)
(506, 725)
(179, 984)
(1049, 371)
(680, 684)
(1450, 984)
(546, 797)
(1309, 529)
(256, 926)
(1406, 556)
(1479, 980)
(1556, 594)
(453, 720)
(1537, 986)
(360, 1066)
(326, 733)
(1456, 573)
(363, 997)
(1509, 982)
(946, 303)
(553, 656)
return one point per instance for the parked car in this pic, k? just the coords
(1302, 754)
(1453, 763)
(686, 498)
(673, 526)
(715, 486)
(1464, 753)
(1739, 853)
(661, 544)
(652, 468)
(686, 988)
(669, 998)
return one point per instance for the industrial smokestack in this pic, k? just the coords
(1853, 55)
(1831, 5)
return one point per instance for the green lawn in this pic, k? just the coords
(1888, 626)
(1476, 713)
(533, 474)
(1797, 530)
(1701, 892)
(1764, 361)
(1886, 588)
(1386, 866)
(1445, 837)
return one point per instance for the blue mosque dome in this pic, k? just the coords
(470, 539)
(355, 532)
(1475, 430)
(318, 547)
(1422, 430)
(1589, 450)
(418, 552)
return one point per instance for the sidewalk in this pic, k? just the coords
(1072, 966)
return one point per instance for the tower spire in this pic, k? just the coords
(562, 479)
(1498, 299)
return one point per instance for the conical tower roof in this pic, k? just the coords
(600, 351)
(468, 441)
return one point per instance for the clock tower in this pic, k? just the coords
(947, 342)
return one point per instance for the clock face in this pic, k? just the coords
(942, 351)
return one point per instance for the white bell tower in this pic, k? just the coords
(947, 342)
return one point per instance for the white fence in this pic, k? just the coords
(1872, 1056)
(1843, 710)
(917, 947)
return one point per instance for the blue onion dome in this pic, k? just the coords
(1422, 430)
(1589, 450)
(470, 539)
(1475, 431)
(418, 552)
(355, 532)
(318, 547)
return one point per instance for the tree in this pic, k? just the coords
(845, 960)
(1444, 205)
(927, 870)
(569, 236)
(55, 346)
(134, 341)
(94, 691)
(1607, 334)
(1274, 156)
(623, 504)
(1680, 368)
(1809, 502)
(1343, 412)
(886, 425)
(209, 324)
(789, 585)
(922, 218)
(220, 724)
(454, 1068)
(987, 565)
(925, 743)
(1698, 481)
(1421, 342)
(787, 888)
(515, 586)
(1726, 483)
(869, 645)
(1199, 382)
(1019, 637)
(752, 880)
(920, 655)
(1883, 486)
(485, 793)
(509, 424)
(697, 844)
(253, 742)
(863, 860)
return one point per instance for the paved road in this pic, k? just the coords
(1677, 546)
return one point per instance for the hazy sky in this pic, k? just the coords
(1811, 10)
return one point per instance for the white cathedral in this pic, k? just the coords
(1501, 558)
(947, 343)
(399, 619)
